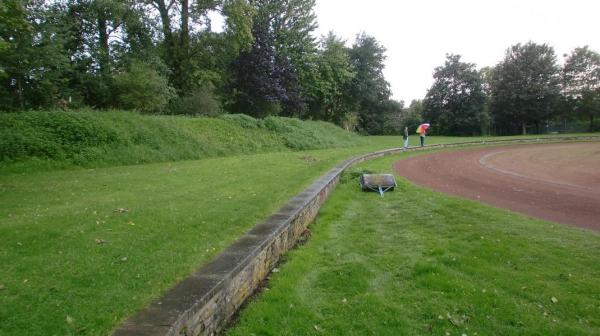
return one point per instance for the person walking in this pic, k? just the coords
(405, 137)
(422, 136)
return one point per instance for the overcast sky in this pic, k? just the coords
(418, 33)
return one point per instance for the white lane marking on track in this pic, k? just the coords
(484, 162)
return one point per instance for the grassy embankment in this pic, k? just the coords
(418, 262)
(44, 140)
(84, 247)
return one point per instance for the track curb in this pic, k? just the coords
(204, 302)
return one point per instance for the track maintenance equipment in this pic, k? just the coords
(377, 182)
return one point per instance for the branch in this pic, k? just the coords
(170, 5)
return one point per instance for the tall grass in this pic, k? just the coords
(95, 139)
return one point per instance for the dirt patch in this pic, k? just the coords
(556, 182)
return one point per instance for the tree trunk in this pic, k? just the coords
(104, 57)
(184, 47)
(20, 92)
(524, 129)
(185, 25)
(166, 22)
(171, 56)
(591, 122)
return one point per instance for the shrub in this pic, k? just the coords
(142, 88)
(199, 103)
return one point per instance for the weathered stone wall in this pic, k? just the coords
(203, 303)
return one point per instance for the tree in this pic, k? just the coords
(455, 102)
(101, 36)
(581, 83)
(392, 112)
(15, 34)
(259, 88)
(180, 43)
(269, 74)
(369, 89)
(525, 88)
(143, 88)
(412, 116)
(34, 67)
(330, 97)
(293, 23)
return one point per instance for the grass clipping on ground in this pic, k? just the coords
(418, 262)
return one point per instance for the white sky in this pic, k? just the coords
(418, 33)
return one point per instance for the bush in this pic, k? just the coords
(199, 103)
(50, 135)
(142, 88)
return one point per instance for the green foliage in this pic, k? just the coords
(412, 116)
(391, 115)
(143, 88)
(454, 104)
(369, 90)
(330, 88)
(581, 83)
(271, 75)
(92, 139)
(239, 15)
(165, 56)
(159, 56)
(201, 102)
(35, 67)
(525, 88)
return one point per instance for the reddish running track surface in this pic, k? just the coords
(556, 182)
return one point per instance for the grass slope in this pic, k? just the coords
(42, 140)
(420, 263)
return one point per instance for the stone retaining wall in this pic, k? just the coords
(204, 302)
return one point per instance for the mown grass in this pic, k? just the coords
(421, 263)
(72, 263)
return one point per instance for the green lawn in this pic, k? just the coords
(72, 263)
(421, 263)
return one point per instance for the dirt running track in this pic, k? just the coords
(556, 182)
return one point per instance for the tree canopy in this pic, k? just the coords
(455, 102)
(581, 83)
(525, 87)
(167, 56)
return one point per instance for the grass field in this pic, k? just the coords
(73, 264)
(418, 263)
(82, 249)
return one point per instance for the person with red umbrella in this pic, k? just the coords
(422, 130)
